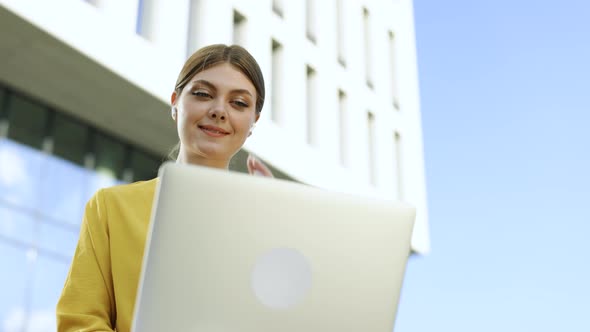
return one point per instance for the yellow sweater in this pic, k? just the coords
(99, 292)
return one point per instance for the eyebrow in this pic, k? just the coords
(212, 87)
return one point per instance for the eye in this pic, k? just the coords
(201, 94)
(240, 104)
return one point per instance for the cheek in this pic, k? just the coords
(184, 123)
(243, 125)
(191, 113)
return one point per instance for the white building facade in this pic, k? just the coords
(342, 109)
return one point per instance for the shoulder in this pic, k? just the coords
(123, 202)
(131, 192)
(134, 188)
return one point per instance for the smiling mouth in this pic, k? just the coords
(215, 132)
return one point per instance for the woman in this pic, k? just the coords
(216, 102)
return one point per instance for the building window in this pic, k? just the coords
(397, 142)
(48, 132)
(310, 20)
(393, 70)
(110, 156)
(311, 93)
(192, 43)
(26, 121)
(4, 100)
(239, 37)
(277, 79)
(340, 33)
(143, 166)
(367, 48)
(278, 7)
(90, 153)
(69, 139)
(371, 148)
(343, 121)
(139, 24)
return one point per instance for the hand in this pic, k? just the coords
(257, 167)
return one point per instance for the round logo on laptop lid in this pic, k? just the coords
(281, 278)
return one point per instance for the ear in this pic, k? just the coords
(173, 110)
(173, 98)
(255, 120)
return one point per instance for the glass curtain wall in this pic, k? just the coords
(50, 165)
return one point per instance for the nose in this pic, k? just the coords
(218, 112)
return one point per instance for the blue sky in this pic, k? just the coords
(505, 109)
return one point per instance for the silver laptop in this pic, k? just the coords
(233, 252)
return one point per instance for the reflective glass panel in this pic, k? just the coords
(110, 156)
(2, 105)
(145, 167)
(20, 173)
(13, 282)
(58, 239)
(48, 280)
(62, 190)
(69, 139)
(27, 121)
(16, 225)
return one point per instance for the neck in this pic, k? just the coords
(202, 161)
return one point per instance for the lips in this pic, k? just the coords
(213, 130)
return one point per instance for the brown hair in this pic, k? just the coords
(212, 55)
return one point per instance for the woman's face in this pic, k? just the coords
(215, 112)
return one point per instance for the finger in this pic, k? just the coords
(250, 164)
(262, 168)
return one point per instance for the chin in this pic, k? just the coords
(214, 151)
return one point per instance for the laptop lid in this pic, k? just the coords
(233, 252)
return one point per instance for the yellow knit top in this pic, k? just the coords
(100, 289)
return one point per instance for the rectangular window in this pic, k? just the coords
(393, 69)
(139, 24)
(16, 275)
(47, 143)
(371, 148)
(343, 119)
(27, 121)
(110, 156)
(311, 92)
(4, 100)
(240, 21)
(147, 19)
(194, 11)
(56, 172)
(89, 155)
(276, 78)
(367, 48)
(310, 20)
(16, 225)
(277, 7)
(127, 174)
(57, 239)
(144, 166)
(398, 165)
(69, 138)
(340, 33)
